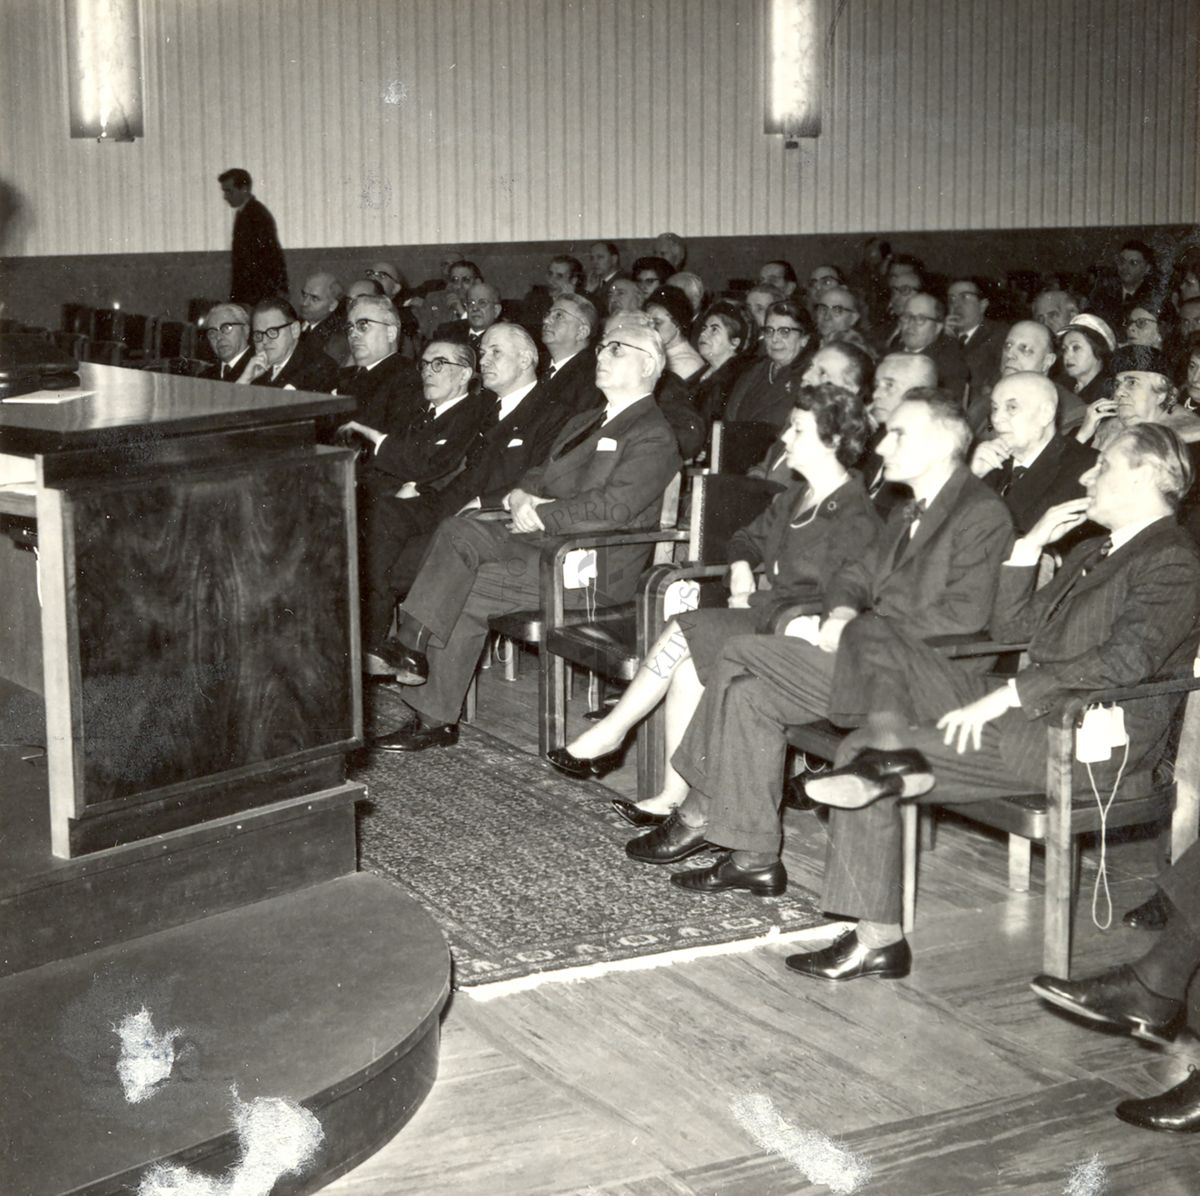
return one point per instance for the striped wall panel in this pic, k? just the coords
(427, 121)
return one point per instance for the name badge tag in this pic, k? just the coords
(606, 444)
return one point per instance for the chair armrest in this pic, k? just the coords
(959, 647)
(1073, 711)
(794, 611)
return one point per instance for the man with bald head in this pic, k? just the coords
(483, 310)
(1055, 308)
(1028, 462)
(227, 327)
(922, 329)
(321, 316)
(895, 376)
(1028, 348)
(672, 247)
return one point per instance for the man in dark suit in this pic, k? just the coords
(227, 327)
(258, 269)
(1120, 611)
(275, 331)
(932, 572)
(385, 386)
(604, 264)
(1149, 997)
(322, 316)
(1028, 463)
(483, 310)
(923, 330)
(981, 339)
(1135, 283)
(607, 469)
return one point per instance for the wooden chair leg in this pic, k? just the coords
(928, 828)
(1185, 818)
(469, 702)
(593, 691)
(509, 650)
(910, 815)
(1060, 856)
(553, 672)
(1019, 861)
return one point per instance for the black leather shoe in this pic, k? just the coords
(1117, 998)
(872, 774)
(725, 874)
(847, 959)
(636, 816)
(1177, 1110)
(1150, 915)
(418, 738)
(667, 843)
(409, 665)
(581, 769)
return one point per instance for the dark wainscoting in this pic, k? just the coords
(34, 288)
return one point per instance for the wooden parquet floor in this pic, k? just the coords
(955, 1081)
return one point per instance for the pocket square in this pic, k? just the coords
(606, 444)
(514, 442)
(438, 442)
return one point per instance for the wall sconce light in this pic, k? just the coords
(793, 68)
(104, 68)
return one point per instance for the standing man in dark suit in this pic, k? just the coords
(227, 327)
(1120, 611)
(608, 469)
(981, 339)
(932, 572)
(259, 271)
(275, 331)
(923, 330)
(1028, 462)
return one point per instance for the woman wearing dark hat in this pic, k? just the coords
(1143, 393)
(1086, 345)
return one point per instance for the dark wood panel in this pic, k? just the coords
(20, 614)
(213, 613)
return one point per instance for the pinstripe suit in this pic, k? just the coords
(1136, 615)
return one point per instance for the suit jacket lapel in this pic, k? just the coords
(931, 520)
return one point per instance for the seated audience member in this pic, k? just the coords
(1189, 317)
(430, 300)
(869, 277)
(1114, 298)
(621, 295)
(931, 572)
(671, 315)
(1028, 348)
(453, 306)
(765, 391)
(692, 285)
(321, 315)
(895, 376)
(1190, 395)
(1143, 393)
(758, 303)
(650, 273)
(820, 279)
(781, 275)
(604, 267)
(227, 327)
(1150, 323)
(1055, 309)
(922, 327)
(388, 277)
(1149, 997)
(837, 314)
(981, 338)
(564, 276)
(821, 523)
(483, 310)
(1120, 611)
(363, 286)
(904, 280)
(1028, 462)
(608, 469)
(672, 247)
(524, 417)
(726, 338)
(384, 386)
(275, 332)
(1086, 346)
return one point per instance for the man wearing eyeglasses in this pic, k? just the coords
(275, 334)
(606, 470)
(483, 310)
(382, 383)
(981, 339)
(922, 330)
(836, 313)
(227, 327)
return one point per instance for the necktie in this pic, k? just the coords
(913, 510)
(1093, 558)
(1015, 475)
(580, 436)
(551, 370)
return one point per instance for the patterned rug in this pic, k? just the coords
(525, 870)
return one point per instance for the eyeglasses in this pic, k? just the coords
(225, 329)
(964, 295)
(381, 274)
(904, 289)
(480, 302)
(617, 349)
(556, 315)
(435, 365)
(781, 331)
(834, 309)
(363, 325)
(914, 318)
(1141, 322)
(269, 334)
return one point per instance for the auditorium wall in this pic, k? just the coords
(502, 122)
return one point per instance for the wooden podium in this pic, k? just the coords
(178, 576)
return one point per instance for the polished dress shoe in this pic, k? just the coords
(635, 815)
(416, 738)
(1177, 1110)
(671, 841)
(1117, 998)
(409, 665)
(847, 959)
(872, 774)
(770, 881)
(1150, 915)
(581, 769)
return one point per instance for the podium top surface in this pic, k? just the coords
(115, 406)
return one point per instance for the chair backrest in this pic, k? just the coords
(668, 517)
(77, 317)
(721, 504)
(740, 444)
(175, 339)
(107, 324)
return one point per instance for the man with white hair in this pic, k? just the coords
(672, 247)
(607, 469)
(381, 382)
(322, 324)
(227, 327)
